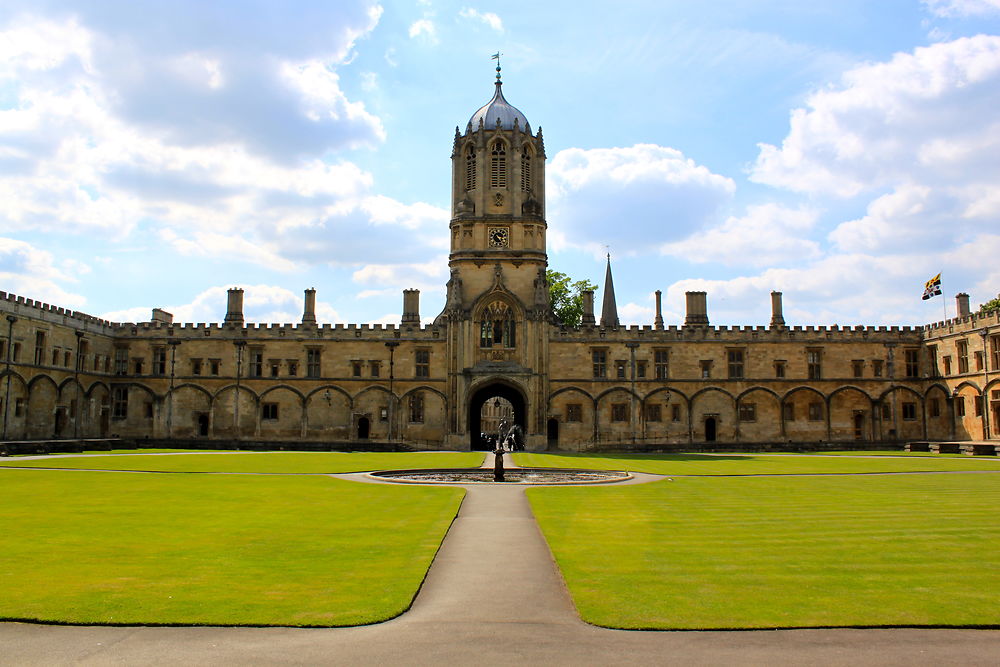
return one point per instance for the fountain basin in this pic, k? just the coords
(525, 476)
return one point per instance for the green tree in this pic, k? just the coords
(990, 306)
(566, 297)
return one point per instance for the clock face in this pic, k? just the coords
(499, 237)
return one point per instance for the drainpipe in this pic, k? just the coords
(986, 380)
(170, 393)
(6, 404)
(76, 378)
(392, 345)
(631, 397)
(240, 344)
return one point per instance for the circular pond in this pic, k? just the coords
(533, 476)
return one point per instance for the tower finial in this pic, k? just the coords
(496, 57)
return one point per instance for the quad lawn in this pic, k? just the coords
(118, 548)
(706, 551)
(255, 462)
(757, 464)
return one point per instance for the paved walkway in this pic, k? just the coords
(493, 596)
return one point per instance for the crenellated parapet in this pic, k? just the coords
(966, 323)
(32, 308)
(740, 334)
(271, 331)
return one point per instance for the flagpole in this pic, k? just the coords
(944, 304)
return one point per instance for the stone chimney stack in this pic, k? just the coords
(162, 316)
(588, 307)
(697, 309)
(234, 309)
(309, 307)
(962, 304)
(658, 320)
(777, 318)
(411, 306)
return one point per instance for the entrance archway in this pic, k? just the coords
(364, 425)
(859, 425)
(488, 393)
(710, 429)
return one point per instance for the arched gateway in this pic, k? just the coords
(487, 393)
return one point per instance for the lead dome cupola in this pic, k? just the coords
(498, 109)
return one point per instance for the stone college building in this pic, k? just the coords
(495, 350)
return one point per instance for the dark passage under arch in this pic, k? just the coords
(489, 392)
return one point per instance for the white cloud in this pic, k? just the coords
(32, 273)
(489, 18)
(910, 218)
(78, 158)
(424, 28)
(929, 115)
(429, 276)
(633, 198)
(208, 244)
(850, 289)
(634, 313)
(261, 303)
(953, 8)
(768, 234)
(39, 45)
(919, 134)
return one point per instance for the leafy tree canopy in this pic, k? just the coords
(566, 297)
(990, 306)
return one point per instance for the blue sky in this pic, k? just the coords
(153, 154)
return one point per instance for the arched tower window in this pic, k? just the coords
(526, 169)
(498, 165)
(470, 168)
(498, 328)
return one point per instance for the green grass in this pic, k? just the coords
(271, 462)
(82, 547)
(151, 450)
(755, 464)
(885, 452)
(769, 552)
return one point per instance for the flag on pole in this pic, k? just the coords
(932, 287)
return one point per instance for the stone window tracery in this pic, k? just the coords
(526, 169)
(498, 165)
(470, 168)
(498, 327)
(417, 408)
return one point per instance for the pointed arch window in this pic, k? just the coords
(470, 168)
(498, 328)
(498, 165)
(526, 169)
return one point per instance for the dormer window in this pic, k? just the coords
(470, 168)
(498, 165)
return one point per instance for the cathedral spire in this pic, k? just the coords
(609, 309)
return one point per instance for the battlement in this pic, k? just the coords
(740, 334)
(20, 305)
(266, 331)
(968, 322)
